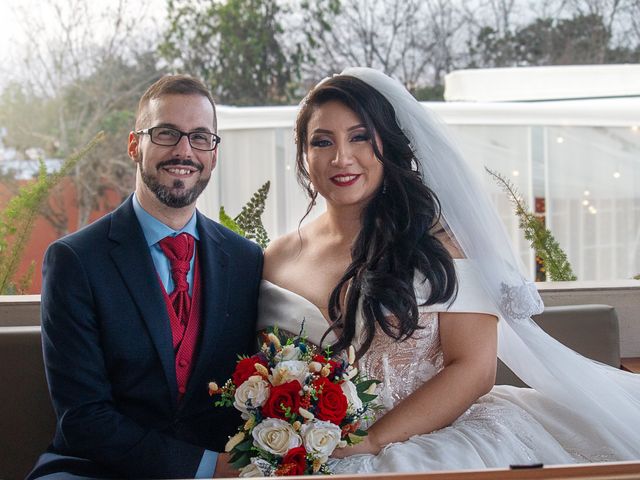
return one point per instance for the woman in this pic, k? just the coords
(411, 264)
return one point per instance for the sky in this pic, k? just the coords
(8, 26)
(13, 38)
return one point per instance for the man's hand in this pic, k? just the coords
(224, 468)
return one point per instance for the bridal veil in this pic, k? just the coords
(606, 398)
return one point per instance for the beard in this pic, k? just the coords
(176, 195)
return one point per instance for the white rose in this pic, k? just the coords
(350, 391)
(257, 468)
(253, 392)
(275, 436)
(288, 352)
(289, 370)
(320, 438)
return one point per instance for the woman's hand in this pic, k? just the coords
(367, 445)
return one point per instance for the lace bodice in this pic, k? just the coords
(402, 367)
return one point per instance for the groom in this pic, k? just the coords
(141, 309)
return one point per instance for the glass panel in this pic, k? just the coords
(505, 150)
(594, 199)
(586, 178)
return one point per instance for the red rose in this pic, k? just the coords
(246, 368)
(294, 462)
(282, 397)
(332, 403)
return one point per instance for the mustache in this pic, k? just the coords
(179, 162)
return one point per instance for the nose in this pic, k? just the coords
(344, 155)
(183, 148)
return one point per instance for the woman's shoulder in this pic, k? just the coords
(282, 252)
(283, 245)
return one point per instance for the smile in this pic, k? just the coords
(344, 180)
(180, 171)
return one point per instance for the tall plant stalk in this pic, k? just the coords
(18, 217)
(248, 222)
(542, 241)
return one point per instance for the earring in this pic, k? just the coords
(313, 191)
(384, 186)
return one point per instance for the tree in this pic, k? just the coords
(73, 83)
(582, 39)
(236, 47)
(412, 40)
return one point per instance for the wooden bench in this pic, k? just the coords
(27, 421)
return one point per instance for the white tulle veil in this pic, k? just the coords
(602, 396)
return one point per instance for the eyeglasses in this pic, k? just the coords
(168, 137)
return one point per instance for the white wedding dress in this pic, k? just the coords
(507, 426)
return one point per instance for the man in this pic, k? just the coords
(134, 325)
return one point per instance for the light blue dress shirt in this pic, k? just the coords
(154, 231)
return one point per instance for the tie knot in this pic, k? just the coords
(179, 247)
(179, 251)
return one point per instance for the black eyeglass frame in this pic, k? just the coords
(149, 131)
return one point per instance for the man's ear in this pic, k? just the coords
(133, 147)
(214, 159)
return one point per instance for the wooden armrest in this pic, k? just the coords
(593, 471)
(630, 364)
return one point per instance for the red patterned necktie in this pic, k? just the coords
(179, 251)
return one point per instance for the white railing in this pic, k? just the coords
(582, 157)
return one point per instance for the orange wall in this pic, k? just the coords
(43, 232)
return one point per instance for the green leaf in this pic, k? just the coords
(364, 385)
(367, 397)
(229, 222)
(248, 223)
(250, 218)
(245, 446)
(241, 459)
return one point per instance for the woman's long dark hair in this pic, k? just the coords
(396, 237)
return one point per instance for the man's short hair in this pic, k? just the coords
(174, 85)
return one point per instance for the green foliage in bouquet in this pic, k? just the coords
(555, 261)
(249, 222)
(18, 217)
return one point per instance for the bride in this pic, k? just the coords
(410, 263)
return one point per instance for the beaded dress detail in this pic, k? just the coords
(403, 366)
(507, 426)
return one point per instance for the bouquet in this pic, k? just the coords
(299, 405)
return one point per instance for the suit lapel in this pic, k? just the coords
(214, 273)
(133, 260)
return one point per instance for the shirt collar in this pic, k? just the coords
(154, 230)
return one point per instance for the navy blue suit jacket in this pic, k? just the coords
(109, 357)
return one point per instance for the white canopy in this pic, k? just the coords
(543, 83)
